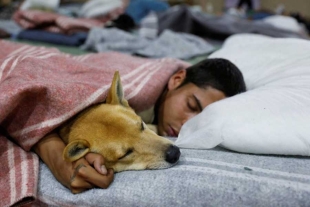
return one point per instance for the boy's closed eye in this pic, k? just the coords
(191, 105)
(194, 104)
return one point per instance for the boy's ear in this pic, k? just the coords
(75, 150)
(116, 94)
(176, 79)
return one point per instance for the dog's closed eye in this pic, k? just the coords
(129, 151)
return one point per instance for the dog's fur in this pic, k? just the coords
(114, 130)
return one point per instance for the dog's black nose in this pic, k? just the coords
(173, 154)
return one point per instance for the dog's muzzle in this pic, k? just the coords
(172, 154)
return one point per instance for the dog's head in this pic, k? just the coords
(114, 130)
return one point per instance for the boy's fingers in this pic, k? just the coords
(101, 181)
(88, 174)
(79, 185)
(97, 161)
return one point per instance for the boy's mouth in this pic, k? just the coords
(171, 132)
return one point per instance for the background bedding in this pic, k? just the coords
(210, 26)
(168, 44)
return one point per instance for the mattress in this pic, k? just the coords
(215, 177)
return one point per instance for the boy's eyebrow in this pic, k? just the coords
(198, 103)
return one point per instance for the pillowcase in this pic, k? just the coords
(273, 116)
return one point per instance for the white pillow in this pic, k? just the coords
(284, 22)
(273, 116)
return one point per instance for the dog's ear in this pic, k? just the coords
(75, 150)
(116, 94)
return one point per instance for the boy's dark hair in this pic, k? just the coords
(217, 73)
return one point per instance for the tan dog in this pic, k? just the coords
(114, 130)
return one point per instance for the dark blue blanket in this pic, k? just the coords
(75, 39)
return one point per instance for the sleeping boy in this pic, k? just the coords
(187, 93)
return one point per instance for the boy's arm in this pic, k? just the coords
(78, 176)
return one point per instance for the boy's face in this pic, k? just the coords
(181, 104)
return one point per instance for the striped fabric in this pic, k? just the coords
(53, 22)
(40, 88)
(18, 174)
(201, 178)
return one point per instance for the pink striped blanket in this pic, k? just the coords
(53, 22)
(40, 88)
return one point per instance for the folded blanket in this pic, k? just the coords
(75, 39)
(40, 88)
(113, 39)
(177, 45)
(168, 44)
(53, 22)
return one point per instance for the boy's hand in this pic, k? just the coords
(83, 174)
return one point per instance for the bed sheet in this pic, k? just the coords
(215, 177)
